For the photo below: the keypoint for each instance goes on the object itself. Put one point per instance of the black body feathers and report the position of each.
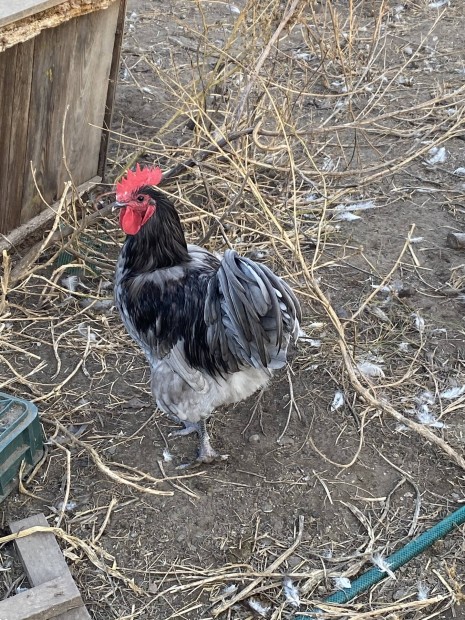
(227, 314)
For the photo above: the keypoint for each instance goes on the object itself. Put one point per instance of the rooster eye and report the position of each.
(140, 198)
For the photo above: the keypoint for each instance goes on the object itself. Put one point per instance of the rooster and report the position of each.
(213, 329)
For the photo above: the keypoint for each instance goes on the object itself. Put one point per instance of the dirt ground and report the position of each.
(361, 482)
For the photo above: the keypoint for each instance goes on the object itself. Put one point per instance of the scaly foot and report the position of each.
(207, 454)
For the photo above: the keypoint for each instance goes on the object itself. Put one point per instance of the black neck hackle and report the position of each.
(160, 243)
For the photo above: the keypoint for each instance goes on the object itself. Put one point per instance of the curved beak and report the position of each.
(117, 205)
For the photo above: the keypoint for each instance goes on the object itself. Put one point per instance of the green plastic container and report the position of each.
(20, 439)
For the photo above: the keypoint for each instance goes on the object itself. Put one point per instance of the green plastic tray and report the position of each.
(20, 439)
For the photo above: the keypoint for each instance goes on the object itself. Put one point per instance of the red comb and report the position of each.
(135, 180)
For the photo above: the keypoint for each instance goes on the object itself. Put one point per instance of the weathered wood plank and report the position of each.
(49, 600)
(39, 553)
(62, 72)
(7, 103)
(70, 78)
(43, 560)
(10, 212)
(11, 12)
(112, 83)
(52, 57)
(87, 91)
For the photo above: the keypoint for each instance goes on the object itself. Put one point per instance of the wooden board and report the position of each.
(52, 57)
(43, 560)
(51, 599)
(13, 165)
(69, 79)
(19, 9)
(112, 83)
(7, 79)
(87, 96)
(62, 73)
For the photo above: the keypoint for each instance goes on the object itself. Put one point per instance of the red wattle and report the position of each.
(132, 220)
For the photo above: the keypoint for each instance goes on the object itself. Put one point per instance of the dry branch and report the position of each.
(104, 468)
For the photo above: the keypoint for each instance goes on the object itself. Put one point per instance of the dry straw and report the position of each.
(299, 110)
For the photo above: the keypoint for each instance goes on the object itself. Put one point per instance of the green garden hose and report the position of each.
(394, 561)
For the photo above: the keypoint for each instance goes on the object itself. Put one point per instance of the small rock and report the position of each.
(294, 561)
(286, 441)
(341, 312)
(267, 507)
(254, 438)
(456, 241)
(398, 594)
(406, 291)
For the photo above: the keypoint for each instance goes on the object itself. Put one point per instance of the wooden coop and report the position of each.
(59, 63)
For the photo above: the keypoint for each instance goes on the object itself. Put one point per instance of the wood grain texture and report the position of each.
(53, 49)
(43, 560)
(69, 91)
(7, 83)
(54, 90)
(90, 68)
(10, 216)
(49, 600)
(39, 553)
(30, 27)
(112, 83)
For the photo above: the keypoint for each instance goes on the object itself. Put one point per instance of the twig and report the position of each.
(357, 452)
(4, 281)
(246, 591)
(387, 277)
(21, 488)
(287, 16)
(219, 221)
(101, 465)
(179, 486)
(33, 254)
(369, 397)
(409, 479)
(205, 153)
(64, 503)
(292, 406)
(357, 615)
(80, 544)
(111, 505)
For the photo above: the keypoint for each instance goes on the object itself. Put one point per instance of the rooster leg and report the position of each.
(189, 427)
(207, 454)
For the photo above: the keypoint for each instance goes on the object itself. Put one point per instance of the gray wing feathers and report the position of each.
(178, 364)
(250, 314)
